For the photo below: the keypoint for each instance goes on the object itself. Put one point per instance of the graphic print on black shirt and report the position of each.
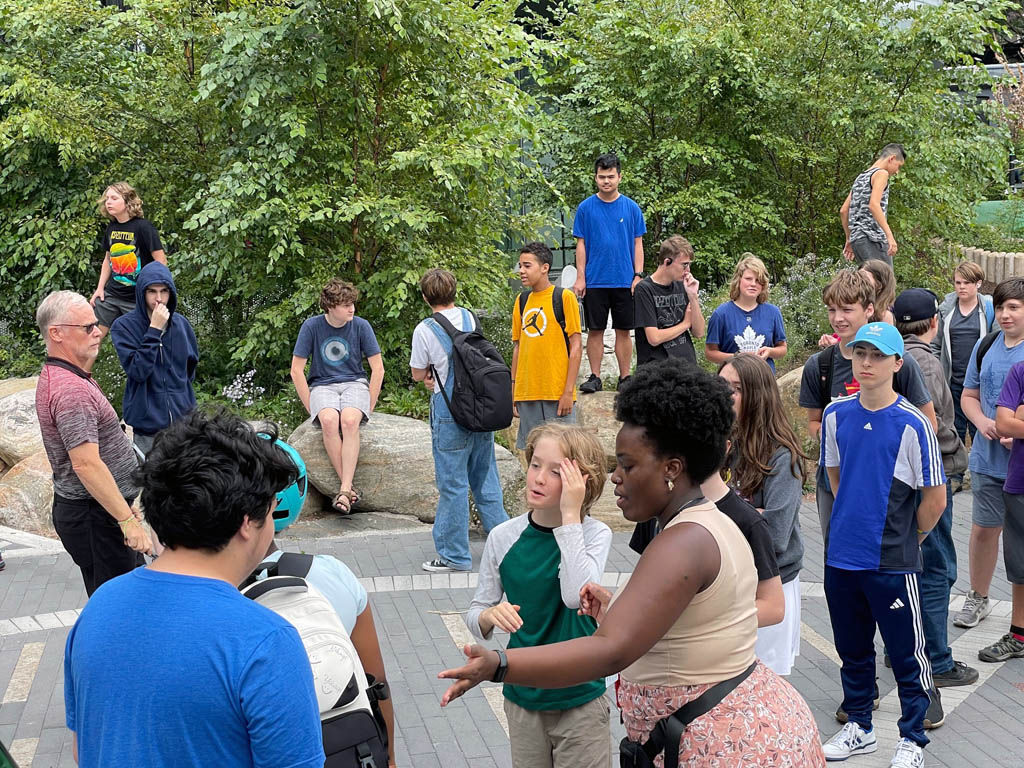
(131, 247)
(661, 306)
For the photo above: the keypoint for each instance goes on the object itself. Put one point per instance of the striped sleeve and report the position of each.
(926, 459)
(829, 444)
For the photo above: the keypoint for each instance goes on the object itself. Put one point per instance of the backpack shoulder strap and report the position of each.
(558, 306)
(984, 347)
(443, 321)
(294, 564)
(523, 297)
(826, 366)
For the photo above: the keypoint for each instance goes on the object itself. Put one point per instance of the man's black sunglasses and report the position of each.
(89, 327)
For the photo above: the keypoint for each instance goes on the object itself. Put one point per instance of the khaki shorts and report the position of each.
(570, 738)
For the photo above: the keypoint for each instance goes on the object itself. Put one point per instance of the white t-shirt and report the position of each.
(427, 349)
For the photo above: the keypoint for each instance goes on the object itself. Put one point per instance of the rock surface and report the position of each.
(789, 389)
(596, 413)
(26, 495)
(19, 427)
(396, 468)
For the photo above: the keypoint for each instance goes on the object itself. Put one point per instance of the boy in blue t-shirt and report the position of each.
(879, 452)
(990, 450)
(337, 394)
(609, 229)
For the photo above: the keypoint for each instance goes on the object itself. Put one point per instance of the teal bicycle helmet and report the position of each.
(290, 499)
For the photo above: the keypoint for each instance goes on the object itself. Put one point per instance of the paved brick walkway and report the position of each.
(421, 620)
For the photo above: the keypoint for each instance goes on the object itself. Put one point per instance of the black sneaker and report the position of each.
(591, 385)
(623, 380)
(960, 674)
(841, 715)
(2, 563)
(934, 717)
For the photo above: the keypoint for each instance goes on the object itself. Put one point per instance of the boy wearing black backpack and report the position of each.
(463, 458)
(546, 345)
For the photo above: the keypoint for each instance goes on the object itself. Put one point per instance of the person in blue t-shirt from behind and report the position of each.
(171, 665)
(880, 453)
(337, 394)
(747, 322)
(609, 229)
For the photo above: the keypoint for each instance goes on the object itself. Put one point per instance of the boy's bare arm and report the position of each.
(376, 378)
(1009, 423)
(933, 504)
(575, 356)
(298, 374)
(814, 421)
(833, 479)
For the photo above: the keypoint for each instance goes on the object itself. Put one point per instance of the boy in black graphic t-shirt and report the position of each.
(666, 307)
(130, 243)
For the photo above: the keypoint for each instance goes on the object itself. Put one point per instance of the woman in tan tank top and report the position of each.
(686, 619)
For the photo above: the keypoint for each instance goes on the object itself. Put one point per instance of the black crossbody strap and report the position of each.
(669, 730)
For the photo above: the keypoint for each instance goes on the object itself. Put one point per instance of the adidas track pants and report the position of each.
(858, 601)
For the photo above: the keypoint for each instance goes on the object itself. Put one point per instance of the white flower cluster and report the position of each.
(241, 390)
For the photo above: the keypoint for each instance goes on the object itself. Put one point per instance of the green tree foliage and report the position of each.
(742, 124)
(275, 144)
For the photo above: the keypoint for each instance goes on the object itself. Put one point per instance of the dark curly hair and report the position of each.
(205, 474)
(684, 411)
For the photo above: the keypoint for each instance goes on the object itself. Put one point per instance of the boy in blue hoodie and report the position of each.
(158, 351)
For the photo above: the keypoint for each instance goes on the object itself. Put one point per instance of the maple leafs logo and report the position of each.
(750, 341)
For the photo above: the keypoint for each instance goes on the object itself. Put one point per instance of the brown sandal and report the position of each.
(343, 502)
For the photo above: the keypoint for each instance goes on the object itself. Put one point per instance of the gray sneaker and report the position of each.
(975, 609)
(1007, 647)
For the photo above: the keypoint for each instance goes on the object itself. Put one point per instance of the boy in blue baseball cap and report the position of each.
(879, 451)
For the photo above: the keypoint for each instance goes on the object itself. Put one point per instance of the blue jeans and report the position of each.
(939, 557)
(462, 460)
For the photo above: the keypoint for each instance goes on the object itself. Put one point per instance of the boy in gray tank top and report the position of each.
(864, 213)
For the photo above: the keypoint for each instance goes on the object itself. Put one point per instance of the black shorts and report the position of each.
(94, 540)
(598, 302)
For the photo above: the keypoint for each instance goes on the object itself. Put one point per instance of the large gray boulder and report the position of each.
(596, 412)
(19, 427)
(396, 467)
(26, 496)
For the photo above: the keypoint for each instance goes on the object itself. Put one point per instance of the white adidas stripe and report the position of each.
(920, 651)
(935, 455)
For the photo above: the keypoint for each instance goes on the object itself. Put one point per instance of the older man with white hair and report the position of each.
(91, 457)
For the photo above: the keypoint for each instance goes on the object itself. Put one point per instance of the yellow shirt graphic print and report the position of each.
(543, 359)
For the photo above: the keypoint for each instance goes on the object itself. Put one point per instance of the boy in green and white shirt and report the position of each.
(540, 561)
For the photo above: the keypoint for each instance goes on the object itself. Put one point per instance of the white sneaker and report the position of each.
(851, 740)
(907, 755)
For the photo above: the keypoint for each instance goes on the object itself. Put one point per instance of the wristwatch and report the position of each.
(502, 670)
(639, 274)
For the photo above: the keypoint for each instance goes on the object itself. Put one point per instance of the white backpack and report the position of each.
(354, 734)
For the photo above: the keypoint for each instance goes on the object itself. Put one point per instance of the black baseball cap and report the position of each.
(915, 304)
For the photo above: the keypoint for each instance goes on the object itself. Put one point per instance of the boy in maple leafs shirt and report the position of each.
(747, 322)
(829, 374)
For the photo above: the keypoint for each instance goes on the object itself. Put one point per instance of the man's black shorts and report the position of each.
(598, 302)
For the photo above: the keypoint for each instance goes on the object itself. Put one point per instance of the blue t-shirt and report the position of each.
(988, 456)
(735, 330)
(884, 457)
(609, 231)
(168, 670)
(337, 353)
(336, 582)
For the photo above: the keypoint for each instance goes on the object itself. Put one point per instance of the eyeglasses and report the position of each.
(89, 327)
(685, 265)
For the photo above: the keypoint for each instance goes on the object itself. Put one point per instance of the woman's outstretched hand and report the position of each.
(594, 601)
(481, 665)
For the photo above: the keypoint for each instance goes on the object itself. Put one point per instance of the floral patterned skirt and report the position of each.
(764, 722)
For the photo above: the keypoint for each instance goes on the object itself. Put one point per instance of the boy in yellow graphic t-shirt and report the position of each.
(546, 348)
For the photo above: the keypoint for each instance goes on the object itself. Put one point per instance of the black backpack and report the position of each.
(984, 347)
(481, 399)
(556, 305)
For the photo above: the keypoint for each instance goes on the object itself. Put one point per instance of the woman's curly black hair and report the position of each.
(685, 412)
(205, 474)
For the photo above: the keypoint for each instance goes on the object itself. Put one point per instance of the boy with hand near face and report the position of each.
(879, 452)
(546, 346)
(667, 308)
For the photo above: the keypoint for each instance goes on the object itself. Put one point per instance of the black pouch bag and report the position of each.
(669, 730)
